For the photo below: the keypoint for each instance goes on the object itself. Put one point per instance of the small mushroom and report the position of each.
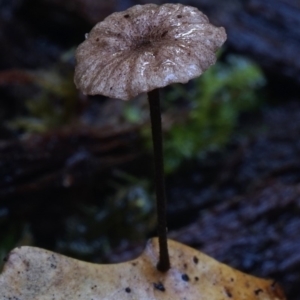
(141, 50)
(144, 48)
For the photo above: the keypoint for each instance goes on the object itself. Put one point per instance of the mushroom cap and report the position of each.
(144, 48)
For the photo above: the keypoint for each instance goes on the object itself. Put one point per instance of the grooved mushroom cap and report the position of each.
(144, 48)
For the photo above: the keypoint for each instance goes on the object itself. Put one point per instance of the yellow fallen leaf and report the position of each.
(36, 274)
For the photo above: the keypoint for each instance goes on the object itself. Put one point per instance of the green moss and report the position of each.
(127, 213)
(216, 101)
(53, 103)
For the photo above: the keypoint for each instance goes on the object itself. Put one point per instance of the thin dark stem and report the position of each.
(155, 115)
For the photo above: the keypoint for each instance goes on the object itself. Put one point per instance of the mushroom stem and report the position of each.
(163, 264)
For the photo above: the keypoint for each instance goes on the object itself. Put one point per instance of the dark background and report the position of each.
(75, 175)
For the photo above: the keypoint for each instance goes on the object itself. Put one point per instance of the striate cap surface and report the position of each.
(144, 48)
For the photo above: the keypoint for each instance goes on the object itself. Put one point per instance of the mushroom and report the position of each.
(140, 50)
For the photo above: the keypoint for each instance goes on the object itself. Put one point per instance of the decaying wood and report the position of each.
(266, 30)
(62, 158)
(257, 233)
